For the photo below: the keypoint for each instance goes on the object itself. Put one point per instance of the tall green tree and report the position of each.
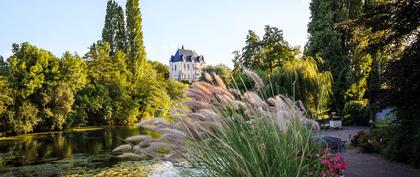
(43, 89)
(114, 28)
(331, 43)
(136, 52)
(268, 53)
(3, 66)
(393, 31)
(107, 99)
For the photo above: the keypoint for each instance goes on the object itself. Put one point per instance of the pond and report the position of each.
(75, 152)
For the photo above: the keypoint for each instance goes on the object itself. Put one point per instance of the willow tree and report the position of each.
(301, 80)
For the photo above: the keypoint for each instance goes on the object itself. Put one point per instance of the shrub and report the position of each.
(24, 119)
(369, 142)
(356, 113)
(401, 140)
(226, 132)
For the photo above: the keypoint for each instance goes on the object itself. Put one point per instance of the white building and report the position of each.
(186, 65)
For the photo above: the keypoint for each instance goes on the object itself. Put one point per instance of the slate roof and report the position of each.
(187, 56)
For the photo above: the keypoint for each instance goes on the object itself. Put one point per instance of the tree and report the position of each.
(161, 69)
(330, 43)
(43, 86)
(393, 31)
(136, 52)
(107, 99)
(298, 79)
(3, 66)
(114, 28)
(268, 53)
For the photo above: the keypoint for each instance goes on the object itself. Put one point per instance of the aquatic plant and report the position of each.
(226, 132)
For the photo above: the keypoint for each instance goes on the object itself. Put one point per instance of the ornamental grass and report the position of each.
(228, 133)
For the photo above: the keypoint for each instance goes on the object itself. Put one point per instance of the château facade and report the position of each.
(186, 65)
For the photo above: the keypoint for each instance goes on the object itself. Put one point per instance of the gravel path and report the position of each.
(369, 165)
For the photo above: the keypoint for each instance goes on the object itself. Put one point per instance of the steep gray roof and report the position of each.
(186, 55)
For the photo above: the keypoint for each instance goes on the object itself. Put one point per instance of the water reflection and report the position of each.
(61, 152)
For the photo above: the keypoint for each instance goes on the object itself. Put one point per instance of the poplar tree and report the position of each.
(136, 52)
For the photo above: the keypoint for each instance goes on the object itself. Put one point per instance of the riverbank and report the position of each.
(76, 129)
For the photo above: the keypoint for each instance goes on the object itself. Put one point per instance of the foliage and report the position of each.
(401, 139)
(393, 31)
(3, 66)
(176, 91)
(5, 96)
(221, 70)
(161, 69)
(24, 119)
(114, 32)
(113, 84)
(224, 129)
(268, 53)
(369, 142)
(136, 52)
(44, 86)
(332, 44)
(298, 79)
(356, 113)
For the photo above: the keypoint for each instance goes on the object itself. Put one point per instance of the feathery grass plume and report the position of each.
(227, 133)
(254, 99)
(137, 138)
(254, 76)
(203, 87)
(208, 77)
(131, 155)
(195, 105)
(197, 95)
(219, 81)
(123, 148)
(235, 92)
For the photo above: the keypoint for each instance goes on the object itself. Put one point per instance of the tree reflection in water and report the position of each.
(57, 153)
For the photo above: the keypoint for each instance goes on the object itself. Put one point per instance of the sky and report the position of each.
(213, 28)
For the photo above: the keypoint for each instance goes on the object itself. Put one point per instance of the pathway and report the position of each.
(369, 165)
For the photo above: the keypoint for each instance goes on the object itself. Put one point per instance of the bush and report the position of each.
(23, 120)
(401, 140)
(356, 113)
(368, 142)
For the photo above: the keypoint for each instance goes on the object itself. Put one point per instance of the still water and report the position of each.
(76, 152)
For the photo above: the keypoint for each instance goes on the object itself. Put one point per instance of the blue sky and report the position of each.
(214, 28)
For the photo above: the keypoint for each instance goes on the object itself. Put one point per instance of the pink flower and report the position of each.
(334, 164)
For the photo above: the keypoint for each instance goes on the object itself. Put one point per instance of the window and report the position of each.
(175, 67)
(185, 66)
(188, 66)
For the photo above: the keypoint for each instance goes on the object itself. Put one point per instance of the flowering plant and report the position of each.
(335, 165)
